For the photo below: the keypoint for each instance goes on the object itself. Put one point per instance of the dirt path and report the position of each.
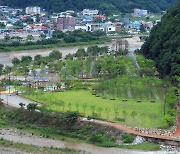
(129, 130)
(27, 138)
(177, 133)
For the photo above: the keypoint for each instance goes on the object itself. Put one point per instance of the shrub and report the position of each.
(127, 138)
(120, 119)
(98, 138)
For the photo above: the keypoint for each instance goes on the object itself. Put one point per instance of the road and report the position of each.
(14, 100)
(133, 45)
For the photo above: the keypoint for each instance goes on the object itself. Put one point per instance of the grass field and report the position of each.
(147, 114)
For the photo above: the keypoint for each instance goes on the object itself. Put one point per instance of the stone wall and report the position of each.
(166, 132)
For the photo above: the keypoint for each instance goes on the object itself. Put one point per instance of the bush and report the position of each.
(98, 138)
(127, 138)
(169, 119)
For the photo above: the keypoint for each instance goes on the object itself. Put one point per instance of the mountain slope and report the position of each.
(103, 5)
(163, 44)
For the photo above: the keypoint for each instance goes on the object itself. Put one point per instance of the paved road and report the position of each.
(14, 100)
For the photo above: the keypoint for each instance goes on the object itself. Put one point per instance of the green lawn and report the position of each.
(148, 114)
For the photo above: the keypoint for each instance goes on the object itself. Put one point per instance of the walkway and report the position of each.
(130, 130)
(14, 100)
(177, 133)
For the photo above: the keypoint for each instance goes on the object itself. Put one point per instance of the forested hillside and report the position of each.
(163, 44)
(105, 6)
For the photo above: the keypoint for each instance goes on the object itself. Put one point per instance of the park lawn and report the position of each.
(148, 114)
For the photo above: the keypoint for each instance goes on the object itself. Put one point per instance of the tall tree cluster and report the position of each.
(105, 6)
(163, 44)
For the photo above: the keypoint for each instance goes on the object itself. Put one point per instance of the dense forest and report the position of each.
(163, 44)
(105, 6)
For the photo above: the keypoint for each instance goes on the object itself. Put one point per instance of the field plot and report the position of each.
(130, 112)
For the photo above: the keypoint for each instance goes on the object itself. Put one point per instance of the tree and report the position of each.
(107, 110)
(1, 68)
(162, 45)
(142, 117)
(31, 107)
(37, 57)
(84, 106)
(80, 53)
(2, 25)
(55, 55)
(58, 84)
(30, 37)
(67, 84)
(124, 114)
(63, 105)
(69, 39)
(93, 110)
(142, 29)
(7, 37)
(115, 113)
(107, 7)
(69, 56)
(15, 61)
(26, 59)
(77, 107)
(58, 34)
(97, 20)
(69, 105)
(133, 115)
(43, 36)
(99, 109)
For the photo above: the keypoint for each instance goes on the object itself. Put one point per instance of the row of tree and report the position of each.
(105, 6)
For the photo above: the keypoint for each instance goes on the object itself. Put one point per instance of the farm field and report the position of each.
(143, 114)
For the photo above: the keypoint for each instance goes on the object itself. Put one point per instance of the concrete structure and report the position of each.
(87, 19)
(90, 12)
(33, 10)
(148, 25)
(84, 28)
(140, 13)
(65, 22)
(106, 27)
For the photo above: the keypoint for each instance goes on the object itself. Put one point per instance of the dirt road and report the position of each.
(26, 138)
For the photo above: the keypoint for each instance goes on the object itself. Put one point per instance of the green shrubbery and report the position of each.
(127, 138)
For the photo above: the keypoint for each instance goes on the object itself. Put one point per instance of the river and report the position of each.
(6, 57)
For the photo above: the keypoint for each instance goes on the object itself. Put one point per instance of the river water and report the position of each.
(6, 57)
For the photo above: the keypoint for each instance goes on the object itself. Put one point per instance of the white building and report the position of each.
(105, 27)
(89, 12)
(140, 13)
(84, 28)
(33, 10)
